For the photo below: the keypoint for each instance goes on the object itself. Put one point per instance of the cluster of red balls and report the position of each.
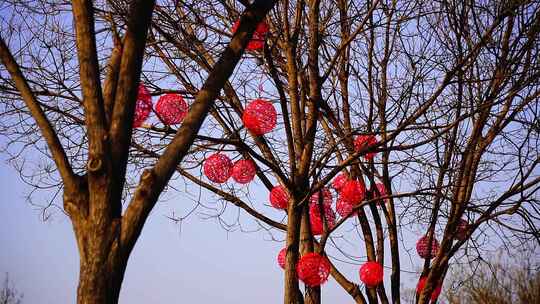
(170, 108)
(218, 168)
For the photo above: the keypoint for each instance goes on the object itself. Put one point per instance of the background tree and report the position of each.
(449, 89)
(8, 293)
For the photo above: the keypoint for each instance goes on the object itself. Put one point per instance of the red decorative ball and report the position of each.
(244, 171)
(313, 269)
(462, 229)
(217, 168)
(171, 109)
(143, 106)
(382, 191)
(344, 208)
(365, 140)
(316, 221)
(434, 294)
(340, 181)
(353, 191)
(423, 249)
(326, 197)
(371, 274)
(279, 197)
(281, 257)
(260, 116)
(257, 40)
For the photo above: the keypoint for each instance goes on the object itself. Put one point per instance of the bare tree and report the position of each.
(8, 294)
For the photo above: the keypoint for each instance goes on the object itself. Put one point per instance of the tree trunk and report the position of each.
(99, 284)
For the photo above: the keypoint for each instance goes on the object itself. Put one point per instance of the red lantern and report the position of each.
(462, 229)
(244, 171)
(371, 274)
(434, 294)
(353, 191)
(259, 116)
(257, 40)
(365, 140)
(279, 197)
(340, 181)
(281, 257)
(171, 109)
(382, 191)
(423, 249)
(217, 168)
(313, 269)
(326, 197)
(316, 221)
(344, 208)
(143, 106)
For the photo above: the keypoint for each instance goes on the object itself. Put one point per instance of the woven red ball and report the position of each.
(218, 168)
(344, 208)
(143, 106)
(279, 197)
(382, 191)
(171, 109)
(371, 274)
(326, 197)
(353, 191)
(316, 221)
(434, 294)
(257, 40)
(339, 181)
(259, 116)
(313, 269)
(423, 249)
(281, 257)
(365, 140)
(462, 229)
(244, 171)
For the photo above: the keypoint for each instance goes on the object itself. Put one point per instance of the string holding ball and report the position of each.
(423, 250)
(313, 269)
(218, 168)
(326, 197)
(371, 274)
(316, 220)
(243, 171)
(143, 106)
(339, 181)
(434, 294)
(281, 257)
(462, 229)
(259, 117)
(171, 109)
(353, 191)
(362, 141)
(259, 35)
(279, 197)
(344, 208)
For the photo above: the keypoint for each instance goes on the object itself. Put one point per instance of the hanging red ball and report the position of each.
(371, 274)
(143, 106)
(422, 247)
(281, 258)
(217, 168)
(365, 140)
(171, 109)
(434, 294)
(313, 269)
(344, 208)
(353, 191)
(326, 197)
(339, 181)
(244, 171)
(259, 116)
(462, 229)
(279, 197)
(257, 40)
(316, 220)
